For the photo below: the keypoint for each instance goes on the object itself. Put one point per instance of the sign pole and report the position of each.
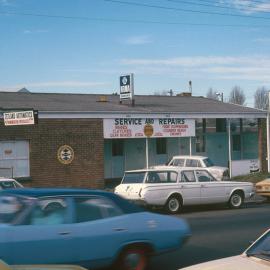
(267, 135)
(190, 146)
(146, 153)
(230, 146)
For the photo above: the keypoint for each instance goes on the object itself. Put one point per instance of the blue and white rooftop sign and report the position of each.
(135, 127)
(126, 86)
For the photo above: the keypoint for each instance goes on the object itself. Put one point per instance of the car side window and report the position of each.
(161, 177)
(188, 176)
(94, 208)
(50, 211)
(204, 176)
(178, 162)
(192, 163)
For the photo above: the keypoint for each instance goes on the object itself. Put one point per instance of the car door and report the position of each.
(212, 191)
(190, 188)
(44, 235)
(100, 230)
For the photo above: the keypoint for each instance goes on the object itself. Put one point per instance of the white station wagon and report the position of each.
(175, 187)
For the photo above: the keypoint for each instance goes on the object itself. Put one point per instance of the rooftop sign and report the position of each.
(126, 87)
(140, 127)
(19, 118)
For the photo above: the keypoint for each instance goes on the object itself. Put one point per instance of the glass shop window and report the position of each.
(200, 144)
(221, 125)
(200, 126)
(211, 125)
(236, 141)
(161, 146)
(235, 125)
(117, 148)
(250, 125)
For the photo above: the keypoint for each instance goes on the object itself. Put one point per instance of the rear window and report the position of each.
(133, 178)
(178, 162)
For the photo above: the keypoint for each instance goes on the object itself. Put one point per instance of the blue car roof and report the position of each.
(43, 192)
(126, 206)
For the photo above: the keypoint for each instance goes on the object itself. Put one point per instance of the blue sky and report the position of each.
(87, 54)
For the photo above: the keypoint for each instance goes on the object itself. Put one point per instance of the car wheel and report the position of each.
(173, 205)
(236, 200)
(133, 258)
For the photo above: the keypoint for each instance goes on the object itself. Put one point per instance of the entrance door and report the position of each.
(118, 158)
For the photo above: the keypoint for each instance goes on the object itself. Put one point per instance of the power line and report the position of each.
(129, 21)
(185, 10)
(216, 6)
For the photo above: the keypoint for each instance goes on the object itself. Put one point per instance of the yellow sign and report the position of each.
(65, 154)
(148, 130)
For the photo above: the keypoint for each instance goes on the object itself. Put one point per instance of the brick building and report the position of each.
(74, 124)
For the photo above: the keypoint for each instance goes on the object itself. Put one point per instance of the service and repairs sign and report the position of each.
(140, 127)
(19, 118)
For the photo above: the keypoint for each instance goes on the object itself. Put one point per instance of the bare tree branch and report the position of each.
(261, 98)
(237, 96)
(211, 94)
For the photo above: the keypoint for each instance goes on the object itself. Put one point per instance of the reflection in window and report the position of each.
(236, 142)
(161, 177)
(161, 146)
(188, 176)
(204, 176)
(117, 147)
(178, 162)
(250, 125)
(200, 144)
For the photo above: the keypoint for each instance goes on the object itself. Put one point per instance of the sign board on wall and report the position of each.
(246, 166)
(19, 118)
(126, 86)
(135, 127)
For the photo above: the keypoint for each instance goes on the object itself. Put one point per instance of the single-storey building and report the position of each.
(82, 140)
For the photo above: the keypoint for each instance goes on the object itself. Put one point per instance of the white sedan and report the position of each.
(174, 187)
(256, 257)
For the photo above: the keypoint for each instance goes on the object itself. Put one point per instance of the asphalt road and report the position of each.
(217, 232)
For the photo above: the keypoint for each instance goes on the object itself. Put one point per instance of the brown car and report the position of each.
(263, 188)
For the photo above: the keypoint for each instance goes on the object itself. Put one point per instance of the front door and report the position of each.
(45, 236)
(212, 191)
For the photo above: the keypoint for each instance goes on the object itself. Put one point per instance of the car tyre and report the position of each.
(133, 258)
(236, 200)
(173, 205)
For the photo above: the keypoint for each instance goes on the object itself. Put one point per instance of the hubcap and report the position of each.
(133, 261)
(236, 200)
(173, 205)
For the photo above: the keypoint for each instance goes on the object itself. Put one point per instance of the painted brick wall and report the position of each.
(85, 136)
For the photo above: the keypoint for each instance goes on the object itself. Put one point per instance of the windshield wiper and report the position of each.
(262, 252)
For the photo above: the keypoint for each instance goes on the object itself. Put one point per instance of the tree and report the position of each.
(261, 98)
(211, 94)
(237, 96)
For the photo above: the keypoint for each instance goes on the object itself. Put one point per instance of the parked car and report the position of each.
(9, 183)
(174, 187)
(257, 256)
(263, 188)
(88, 228)
(4, 266)
(220, 173)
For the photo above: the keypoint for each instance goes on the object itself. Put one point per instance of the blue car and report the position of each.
(83, 227)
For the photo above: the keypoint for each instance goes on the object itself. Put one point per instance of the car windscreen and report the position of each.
(133, 178)
(6, 184)
(208, 162)
(261, 248)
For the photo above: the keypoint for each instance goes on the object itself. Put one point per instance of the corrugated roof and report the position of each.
(48, 102)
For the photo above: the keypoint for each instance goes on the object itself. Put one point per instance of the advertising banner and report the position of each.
(19, 118)
(246, 166)
(148, 127)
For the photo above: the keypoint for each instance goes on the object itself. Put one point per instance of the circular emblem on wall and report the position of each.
(124, 80)
(65, 154)
(148, 130)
